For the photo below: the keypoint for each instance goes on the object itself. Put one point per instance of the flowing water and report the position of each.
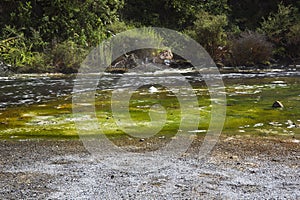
(41, 105)
(29, 89)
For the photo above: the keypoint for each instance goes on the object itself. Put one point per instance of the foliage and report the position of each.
(250, 49)
(35, 28)
(81, 21)
(38, 34)
(67, 57)
(148, 13)
(16, 50)
(174, 14)
(247, 14)
(281, 27)
(143, 37)
(209, 31)
(118, 27)
(293, 42)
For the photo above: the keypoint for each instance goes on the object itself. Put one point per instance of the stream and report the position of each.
(36, 88)
(34, 106)
(256, 156)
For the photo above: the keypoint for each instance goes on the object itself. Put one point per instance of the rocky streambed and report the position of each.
(239, 167)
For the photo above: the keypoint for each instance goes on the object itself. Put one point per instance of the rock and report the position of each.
(153, 89)
(277, 104)
(131, 61)
(123, 63)
(4, 69)
(291, 124)
(181, 64)
(233, 157)
(164, 57)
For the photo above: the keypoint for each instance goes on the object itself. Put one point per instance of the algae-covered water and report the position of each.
(40, 106)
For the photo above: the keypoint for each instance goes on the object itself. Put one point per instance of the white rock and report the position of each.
(153, 89)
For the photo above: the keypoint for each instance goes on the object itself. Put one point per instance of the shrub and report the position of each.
(14, 48)
(67, 57)
(39, 64)
(19, 52)
(249, 49)
(118, 27)
(281, 29)
(209, 31)
(293, 43)
(145, 36)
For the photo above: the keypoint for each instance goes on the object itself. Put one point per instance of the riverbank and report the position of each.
(238, 167)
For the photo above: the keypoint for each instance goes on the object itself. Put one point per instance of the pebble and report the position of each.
(277, 104)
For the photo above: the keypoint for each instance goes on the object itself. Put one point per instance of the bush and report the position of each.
(250, 49)
(118, 27)
(83, 22)
(293, 43)
(19, 52)
(281, 29)
(209, 31)
(14, 49)
(67, 57)
(145, 36)
(39, 64)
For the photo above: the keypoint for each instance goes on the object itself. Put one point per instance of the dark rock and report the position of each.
(123, 63)
(180, 64)
(4, 69)
(277, 104)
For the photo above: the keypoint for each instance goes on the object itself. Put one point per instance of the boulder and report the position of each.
(164, 57)
(277, 104)
(123, 63)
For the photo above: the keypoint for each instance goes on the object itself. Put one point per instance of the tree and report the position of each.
(282, 29)
(293, 43)
(59, 20)
(209, 31)
(49, 32)
(174, 14)
(247, 14)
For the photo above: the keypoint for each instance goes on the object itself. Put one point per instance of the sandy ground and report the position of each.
(239, 167)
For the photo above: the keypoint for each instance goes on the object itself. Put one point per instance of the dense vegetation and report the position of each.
(54, 36)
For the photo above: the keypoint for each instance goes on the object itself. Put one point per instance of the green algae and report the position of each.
(249, 111)
(46, 120)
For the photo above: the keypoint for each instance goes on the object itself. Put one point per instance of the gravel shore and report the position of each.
(239, 167)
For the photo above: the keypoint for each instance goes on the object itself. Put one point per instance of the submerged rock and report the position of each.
(277, 104)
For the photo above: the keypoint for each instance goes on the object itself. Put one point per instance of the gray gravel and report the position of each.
(236, 169)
